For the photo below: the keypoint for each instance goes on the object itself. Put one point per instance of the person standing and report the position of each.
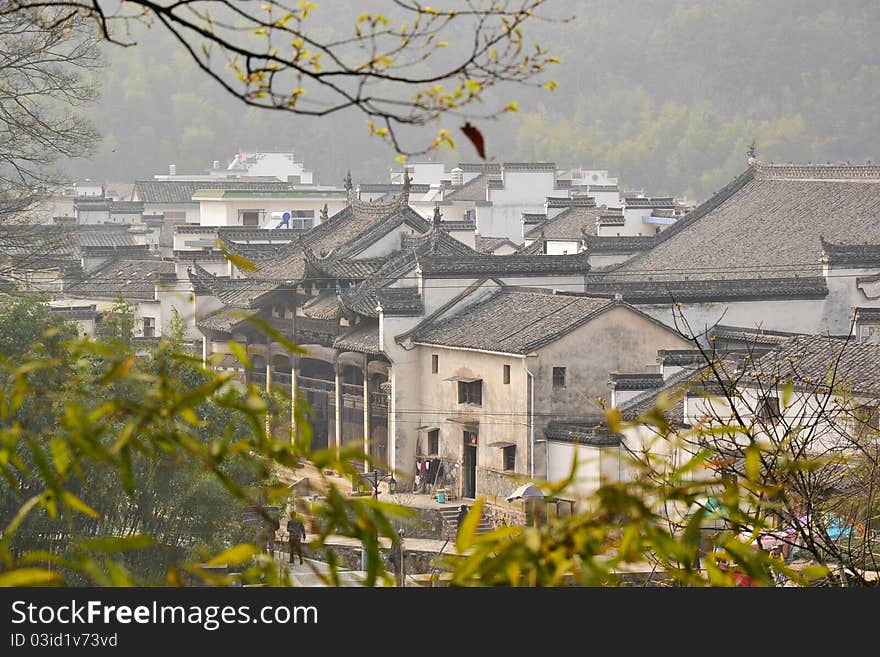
(462, 513)
(296, 534)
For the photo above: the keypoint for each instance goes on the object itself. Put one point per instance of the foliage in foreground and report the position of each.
(121, 467)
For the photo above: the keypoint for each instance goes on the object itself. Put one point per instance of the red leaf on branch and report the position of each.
(476, 138)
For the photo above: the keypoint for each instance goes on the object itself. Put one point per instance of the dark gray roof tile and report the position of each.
(767, 224)
(512, 320)
(513, 264)
(133, 279)
(181, 191)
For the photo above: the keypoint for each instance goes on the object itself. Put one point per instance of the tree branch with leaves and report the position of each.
(404, 67)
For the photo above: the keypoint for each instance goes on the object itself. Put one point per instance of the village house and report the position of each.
(788, 247)
(498, 367)
(819, 394)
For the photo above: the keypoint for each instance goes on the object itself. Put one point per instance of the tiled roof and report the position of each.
(364, 298)
(223, 320)
(808, 360)
(694, 291)
(435, 241)
(30, 245)
(868, 314)
(490, 244)
(664, 202)
(611, 220)
(459, 225)
(393, 188)
(241, 234)
(473, 190)
(480, 167)
(595, 434)
(243, 292)
(853, 255)
(288, 263)
(535, 248)
(768, 223)
(363, 339)
(107, 236)
(181, 191)
(359, 224)
(512, 320)
(512, 264)
(350, 268)
(750, 335)
(570, 224)
(232, 292)
(400, 300)
(133, 279)
(577, 202)
(127, 207)
(529, 166)
(638, 381)
(324, 306)
(619, 244)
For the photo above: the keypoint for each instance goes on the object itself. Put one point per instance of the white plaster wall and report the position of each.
(225, 212)
(608, 199)
(801, 316)
(588, 473)
(525, 188)
(387, 244)
(562, 247)
(505, 220)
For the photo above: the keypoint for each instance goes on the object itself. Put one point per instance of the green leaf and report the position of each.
(19, 518)
(119, 544)
(786, 395)
(72, 501)
(468, 529)
(753, 462)
(60, 455)
(235, 555)
(612, 417)
(242, 263)
(239, 352)
(30, 577)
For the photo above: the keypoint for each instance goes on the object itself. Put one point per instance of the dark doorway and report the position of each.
(469, 469)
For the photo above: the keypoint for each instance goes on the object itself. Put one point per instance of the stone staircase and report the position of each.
(450, 524)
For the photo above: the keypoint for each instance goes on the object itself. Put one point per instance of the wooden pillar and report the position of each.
(268, 365)
(294, 363)
(337, 368)
(366, 411)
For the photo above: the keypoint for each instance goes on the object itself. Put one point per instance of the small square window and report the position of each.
(434, 441)
(510, 457)
(470, 392)
(558, 377)
(507, 374)
(768, 410)
(435, 363)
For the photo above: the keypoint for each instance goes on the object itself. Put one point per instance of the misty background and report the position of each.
(667, 95)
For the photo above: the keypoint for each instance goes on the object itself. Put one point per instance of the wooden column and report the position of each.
(366, 411)
(337, 368)
(294, 363)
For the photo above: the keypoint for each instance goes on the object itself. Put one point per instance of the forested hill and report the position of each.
(666, 94)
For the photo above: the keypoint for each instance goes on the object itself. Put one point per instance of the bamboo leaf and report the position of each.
(235, 555)
(30, 577)
(468, 529)
(119, 543)
(72, 501)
